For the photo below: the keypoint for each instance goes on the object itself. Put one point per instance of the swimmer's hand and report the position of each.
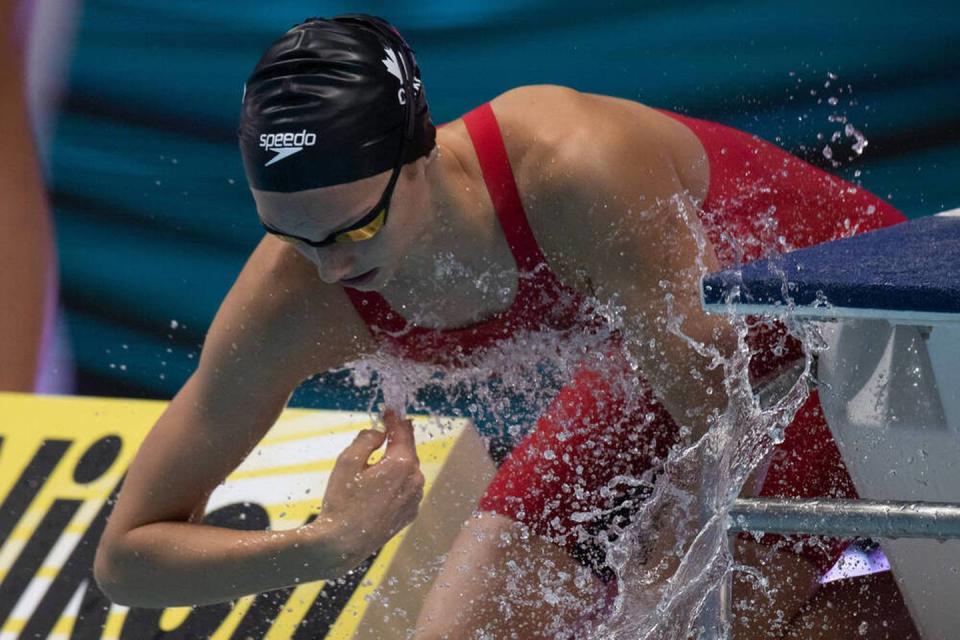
(367, 504)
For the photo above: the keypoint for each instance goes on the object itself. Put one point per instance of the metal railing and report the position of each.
(827, 517)
(847, 518)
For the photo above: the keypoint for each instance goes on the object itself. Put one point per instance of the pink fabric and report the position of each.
(22, 21)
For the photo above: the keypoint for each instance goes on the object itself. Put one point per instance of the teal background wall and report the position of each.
(154, 220)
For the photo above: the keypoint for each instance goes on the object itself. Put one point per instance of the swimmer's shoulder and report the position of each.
(536, 123)
(281, 315)
(544, 123)
(557, 137)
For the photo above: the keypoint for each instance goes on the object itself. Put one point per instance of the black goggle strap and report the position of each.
(283, 235)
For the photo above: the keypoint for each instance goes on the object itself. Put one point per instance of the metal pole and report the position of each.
(847, 518)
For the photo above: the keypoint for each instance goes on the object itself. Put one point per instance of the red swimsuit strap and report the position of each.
(498, 175)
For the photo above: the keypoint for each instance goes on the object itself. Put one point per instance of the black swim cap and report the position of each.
(329, 103)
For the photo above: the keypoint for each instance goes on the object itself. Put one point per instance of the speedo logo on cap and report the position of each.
(286, 144)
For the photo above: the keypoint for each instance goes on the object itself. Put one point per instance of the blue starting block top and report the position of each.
(907, 274)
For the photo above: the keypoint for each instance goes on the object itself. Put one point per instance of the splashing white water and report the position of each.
(673, 589)
(672, 559)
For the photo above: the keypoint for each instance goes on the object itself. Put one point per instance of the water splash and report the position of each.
(666, 591)
(671, 558)
(849, 137)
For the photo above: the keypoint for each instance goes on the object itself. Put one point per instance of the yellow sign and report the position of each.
(61, 461)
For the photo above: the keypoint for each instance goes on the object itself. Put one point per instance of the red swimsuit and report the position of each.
(760, 200)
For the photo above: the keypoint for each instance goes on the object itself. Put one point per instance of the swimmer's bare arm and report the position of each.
(646, 238)
(278, 325)
(604, 180)
(640, 247)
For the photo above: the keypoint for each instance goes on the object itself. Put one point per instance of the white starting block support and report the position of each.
(889, 381)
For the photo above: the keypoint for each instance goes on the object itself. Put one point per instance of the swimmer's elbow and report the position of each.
(114, 570)
(106, 573)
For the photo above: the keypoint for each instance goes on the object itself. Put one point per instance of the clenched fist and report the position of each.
(367, 504)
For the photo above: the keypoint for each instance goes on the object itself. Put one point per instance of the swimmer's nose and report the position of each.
(333, 265)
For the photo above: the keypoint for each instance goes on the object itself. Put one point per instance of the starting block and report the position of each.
(889, 383)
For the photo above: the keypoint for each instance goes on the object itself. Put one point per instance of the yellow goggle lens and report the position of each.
(365, 232)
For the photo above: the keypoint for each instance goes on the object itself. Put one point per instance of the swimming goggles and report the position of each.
(363, 229)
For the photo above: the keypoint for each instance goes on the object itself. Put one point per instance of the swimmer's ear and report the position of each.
(422, 162)
(412, 170)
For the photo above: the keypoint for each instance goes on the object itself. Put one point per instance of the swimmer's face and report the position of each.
(316, 214)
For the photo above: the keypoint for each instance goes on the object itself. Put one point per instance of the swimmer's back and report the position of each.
(762, 199)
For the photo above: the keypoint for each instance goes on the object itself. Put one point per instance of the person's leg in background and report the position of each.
(35, 43)
(393, 612)
(26, 245)
(507, 582)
